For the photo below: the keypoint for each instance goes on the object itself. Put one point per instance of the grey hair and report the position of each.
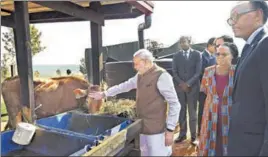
(144, 54)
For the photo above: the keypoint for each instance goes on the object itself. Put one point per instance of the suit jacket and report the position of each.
(207, 61)
(248, 133)
(187, 70)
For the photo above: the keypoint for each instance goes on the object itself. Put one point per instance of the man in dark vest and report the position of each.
(155, 89)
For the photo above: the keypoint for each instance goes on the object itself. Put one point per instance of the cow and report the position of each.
(52, 96)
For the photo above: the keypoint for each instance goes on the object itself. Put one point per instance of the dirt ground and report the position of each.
(185, 148)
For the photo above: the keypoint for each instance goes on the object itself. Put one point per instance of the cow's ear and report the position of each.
(80, 93)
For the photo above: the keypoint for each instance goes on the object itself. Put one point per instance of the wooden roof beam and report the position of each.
(5, 10)
(143, 6)
(119, 8)
(73, 10)
(7, 22)
(55, 16)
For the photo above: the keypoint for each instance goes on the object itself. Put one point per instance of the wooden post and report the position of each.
(12, 70)
(96, 47)
(24, 55)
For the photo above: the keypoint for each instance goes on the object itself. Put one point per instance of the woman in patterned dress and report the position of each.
(217, 83)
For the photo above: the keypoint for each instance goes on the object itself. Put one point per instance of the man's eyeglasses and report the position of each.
(236, 15)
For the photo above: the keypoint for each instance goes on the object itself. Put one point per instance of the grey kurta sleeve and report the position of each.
(166, 88)
(122, 88)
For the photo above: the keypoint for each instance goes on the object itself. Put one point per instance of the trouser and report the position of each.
(202, 98)
(188, 100)
(154, 145)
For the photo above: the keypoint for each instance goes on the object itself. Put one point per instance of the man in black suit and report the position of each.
(248, 132)
(186, 72)
(208, 59)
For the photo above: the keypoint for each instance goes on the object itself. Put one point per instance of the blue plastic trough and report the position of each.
(69, 133)
(45, 143)
(90, 126)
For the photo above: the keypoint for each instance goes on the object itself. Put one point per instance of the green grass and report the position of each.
(3, 111)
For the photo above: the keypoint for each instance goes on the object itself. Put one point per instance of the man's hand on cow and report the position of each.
(169, 138)
(96, 95)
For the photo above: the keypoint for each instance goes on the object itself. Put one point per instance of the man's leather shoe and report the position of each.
(194, 141)
(180, 139)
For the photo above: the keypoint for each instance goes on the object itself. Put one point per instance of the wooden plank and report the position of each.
(6, 2)
(73, 10)
(133, 130)
(142, 6)
(150, 3)
(8, 7)
(33, 8)
(108, 146)
(7, 22)
(4, 13)
(126, 150)
(24, 55)
(114, 9)
(111, 2)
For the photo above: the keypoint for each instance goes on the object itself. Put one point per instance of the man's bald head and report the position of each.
(257, 5)
(247, 16)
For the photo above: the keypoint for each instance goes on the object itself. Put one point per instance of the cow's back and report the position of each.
(56, 96)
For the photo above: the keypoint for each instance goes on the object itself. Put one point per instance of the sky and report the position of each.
(170, 20)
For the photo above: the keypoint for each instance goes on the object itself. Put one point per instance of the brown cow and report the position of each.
(56, 95)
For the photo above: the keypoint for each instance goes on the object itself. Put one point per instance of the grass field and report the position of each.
(3, 110)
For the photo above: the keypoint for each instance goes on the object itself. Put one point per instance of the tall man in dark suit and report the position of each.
(248, 133)
(186, 72)
(208, 59)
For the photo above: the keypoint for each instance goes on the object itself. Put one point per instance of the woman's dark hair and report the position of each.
(211, 41)
(226, 38)
(234, 51)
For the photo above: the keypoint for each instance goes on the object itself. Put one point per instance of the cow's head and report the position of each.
(86, 102)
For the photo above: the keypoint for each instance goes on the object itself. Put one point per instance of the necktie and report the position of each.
(185, 54)
(245, 51)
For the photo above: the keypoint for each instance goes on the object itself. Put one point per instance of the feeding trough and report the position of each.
(76, 134)
(92, 126)
(45, 142)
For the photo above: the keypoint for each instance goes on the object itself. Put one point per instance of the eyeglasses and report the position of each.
(217, 54)
(235, 17)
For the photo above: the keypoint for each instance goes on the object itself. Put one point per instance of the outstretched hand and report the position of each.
(96, 95)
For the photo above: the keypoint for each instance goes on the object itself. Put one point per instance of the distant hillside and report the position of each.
(50, 70)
